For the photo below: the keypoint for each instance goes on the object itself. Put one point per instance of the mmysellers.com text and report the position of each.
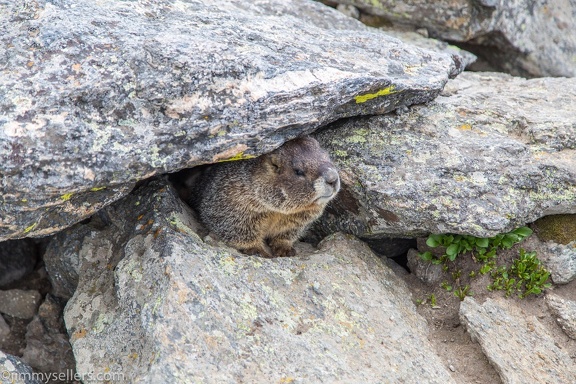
(68, 376)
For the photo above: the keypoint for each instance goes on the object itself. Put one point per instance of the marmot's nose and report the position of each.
(331, 176)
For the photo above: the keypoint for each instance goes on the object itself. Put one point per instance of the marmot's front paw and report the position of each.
(257, 251)
(283, 250)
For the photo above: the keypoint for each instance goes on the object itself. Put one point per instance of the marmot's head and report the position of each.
(298, 175)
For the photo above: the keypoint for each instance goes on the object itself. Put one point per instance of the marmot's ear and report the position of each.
(274, 162)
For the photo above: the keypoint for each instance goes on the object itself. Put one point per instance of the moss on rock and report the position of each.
(560, 229)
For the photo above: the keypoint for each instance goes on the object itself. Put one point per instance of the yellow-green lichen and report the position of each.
(127, 123)
(96, 189)
(157, 305)
(179, 223)
(239, 156)
(102, 321)
(66, 196)
(369, 96)
(359, 137)
(340, 153)
(30, 228)
(229, 265)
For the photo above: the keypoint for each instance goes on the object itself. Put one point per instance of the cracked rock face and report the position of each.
(95, 96)
(156, 304)
(519, 347)
(490, 154)
(565, 313)
(524, 38)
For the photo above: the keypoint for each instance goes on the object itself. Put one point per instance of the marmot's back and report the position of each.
(263, 205)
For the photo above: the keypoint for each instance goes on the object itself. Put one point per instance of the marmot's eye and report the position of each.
(298, 172)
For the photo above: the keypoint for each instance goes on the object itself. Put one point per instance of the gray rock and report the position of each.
(47, 347)
(424, 270)
(458, 55)
(490, 154)
(14, 371)
(161, 306)
(17, 259)
(519, 347)
(560, 260)
(525, 38)
(19, 303)
(62, 258)
(349, 10)
(4, 327)
(98, 95)
(565, 312)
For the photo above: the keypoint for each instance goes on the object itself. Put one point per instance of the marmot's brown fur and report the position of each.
(263, 205)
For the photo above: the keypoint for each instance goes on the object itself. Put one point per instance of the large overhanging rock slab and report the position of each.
(523, 37)
(491, 154)
(519, 347)
(155, 304)
(96, 95)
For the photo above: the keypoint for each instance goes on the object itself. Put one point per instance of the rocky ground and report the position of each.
(106, 276)
(360, 310)
(461, 353)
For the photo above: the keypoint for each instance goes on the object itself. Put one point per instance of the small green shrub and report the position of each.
(462, 292)
(526, 276)
(483, 249)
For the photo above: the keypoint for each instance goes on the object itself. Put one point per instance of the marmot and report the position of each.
(263, 205)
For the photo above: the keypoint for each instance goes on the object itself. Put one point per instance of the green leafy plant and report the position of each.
(483, 249)
(526, 276)
(462, 292)
(487, 267)
(433, 301)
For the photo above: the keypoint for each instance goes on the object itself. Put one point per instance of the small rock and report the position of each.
(424, 270)
(19, 303)
(560, 260)
(14, 371)
(349, 10)
(423, 32)
(62, 257)
(4, 327)
(47, 347)
(565, 313)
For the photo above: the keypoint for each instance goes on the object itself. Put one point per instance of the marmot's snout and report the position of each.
(327, 185)
(331, 177)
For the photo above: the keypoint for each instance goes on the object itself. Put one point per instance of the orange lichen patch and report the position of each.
(79, 334)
